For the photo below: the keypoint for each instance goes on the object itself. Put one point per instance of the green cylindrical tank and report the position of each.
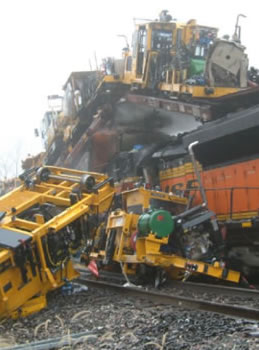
(159, 222)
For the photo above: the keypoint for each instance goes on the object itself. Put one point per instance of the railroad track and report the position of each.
(159, 297)
(61, 342)
(116, 277)
(217, 289)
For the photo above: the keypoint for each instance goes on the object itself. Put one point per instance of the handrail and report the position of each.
(231, 189)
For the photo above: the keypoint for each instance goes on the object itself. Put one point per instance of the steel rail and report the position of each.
(218, 289)
(52, 343)
(201, 287)
(179, 301)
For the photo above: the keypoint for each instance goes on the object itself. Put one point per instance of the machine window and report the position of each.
(129, 64)
(161, 40)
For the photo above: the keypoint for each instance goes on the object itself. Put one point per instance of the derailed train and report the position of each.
(227, 152)
(156, 209)
(135, 120)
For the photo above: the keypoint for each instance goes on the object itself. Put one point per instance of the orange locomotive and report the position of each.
(232, 189)
(228, 160)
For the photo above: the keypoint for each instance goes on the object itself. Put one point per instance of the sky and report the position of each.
(43, 41)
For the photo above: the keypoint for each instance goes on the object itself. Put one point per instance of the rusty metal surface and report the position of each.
(202, 112)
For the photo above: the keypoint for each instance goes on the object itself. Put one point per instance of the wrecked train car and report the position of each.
(134, 119)
(229, 165)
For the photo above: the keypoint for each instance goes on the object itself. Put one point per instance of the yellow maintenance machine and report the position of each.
(42, 223)
(154, 231)
(182, 59)
(179, 71)
(58, 212)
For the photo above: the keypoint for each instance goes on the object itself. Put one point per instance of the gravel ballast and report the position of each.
(119, 323)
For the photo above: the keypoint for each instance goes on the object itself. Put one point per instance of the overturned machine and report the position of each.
(43, 223)
(59, 212)
(175, 77)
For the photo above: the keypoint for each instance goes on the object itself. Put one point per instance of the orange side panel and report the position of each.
(237, 183)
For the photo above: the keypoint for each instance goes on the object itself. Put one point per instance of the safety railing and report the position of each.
(233, 190)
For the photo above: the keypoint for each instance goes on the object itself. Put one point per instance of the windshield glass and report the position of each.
(161, 39)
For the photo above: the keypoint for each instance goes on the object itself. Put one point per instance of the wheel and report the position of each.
(87, 182)
(42, 174)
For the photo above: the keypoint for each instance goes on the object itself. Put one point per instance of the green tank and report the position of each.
(197, 67)
(160, 222)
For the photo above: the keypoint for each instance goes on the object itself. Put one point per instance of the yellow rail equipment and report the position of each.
(42, 223)
(58, 212)
(179, 241)
(182, 59)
